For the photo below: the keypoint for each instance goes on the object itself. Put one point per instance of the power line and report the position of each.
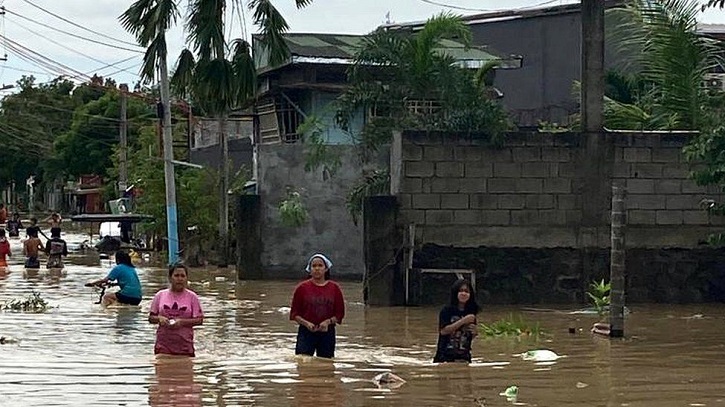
(71, 49)
(80, 26)
(69, 33)
(39, 59)
(435, 3)
(12, 68)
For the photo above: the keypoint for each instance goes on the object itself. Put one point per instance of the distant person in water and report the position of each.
(4, 249)
(56, 248)
(317, 306)
(14, 225)
(3, 213)
(54, 220)
(457, 325)
(177, 311)
(125, 274)
(31, 248)
(34, 226)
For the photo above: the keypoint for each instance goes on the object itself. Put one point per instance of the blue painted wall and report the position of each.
(321, 105)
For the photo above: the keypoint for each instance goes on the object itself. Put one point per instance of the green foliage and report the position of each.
(411, 83)
(376, 182)
(59, 130)
(599, 294)
(197, 194)
(546, 127)
(292, 210)
(317, 152)
(239, 180)
(659, 42)
(32, 303)
(88, 146)
(512, 326)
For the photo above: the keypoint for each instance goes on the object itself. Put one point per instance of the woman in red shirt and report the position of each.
(317, 306)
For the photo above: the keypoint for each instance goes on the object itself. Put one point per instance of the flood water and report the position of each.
(80, 354)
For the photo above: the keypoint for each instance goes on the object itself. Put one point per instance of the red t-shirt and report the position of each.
(4, 251)
(316, 303)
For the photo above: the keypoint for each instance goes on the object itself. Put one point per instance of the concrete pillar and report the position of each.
(617, 268)
(383, 283)
(249, 237)
(592, 69)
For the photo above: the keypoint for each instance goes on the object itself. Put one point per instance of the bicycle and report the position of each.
(103, 287)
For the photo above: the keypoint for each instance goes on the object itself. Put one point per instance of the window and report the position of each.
(278, 121)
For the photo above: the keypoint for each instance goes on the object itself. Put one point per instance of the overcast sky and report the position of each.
(25, 34)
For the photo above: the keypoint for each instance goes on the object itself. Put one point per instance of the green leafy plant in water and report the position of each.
(512, 326)
(599, 294)
(292, 211)
(33, 303)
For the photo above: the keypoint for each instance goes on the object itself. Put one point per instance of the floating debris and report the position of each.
(540, 355)
(4, 340)
(33, 303)
(511, 393)
(388, 380)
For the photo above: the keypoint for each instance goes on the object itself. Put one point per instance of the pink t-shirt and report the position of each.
(172, 305)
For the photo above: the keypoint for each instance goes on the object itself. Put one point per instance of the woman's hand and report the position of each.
(469, 319)
(163, 321)
(310, 326)
(324, 325)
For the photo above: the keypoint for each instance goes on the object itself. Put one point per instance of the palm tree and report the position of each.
(216, 84)
(411, 80)
(396, 72)
(659, 40)
(148, 21)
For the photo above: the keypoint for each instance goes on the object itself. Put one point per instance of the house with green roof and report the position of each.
(305, 86)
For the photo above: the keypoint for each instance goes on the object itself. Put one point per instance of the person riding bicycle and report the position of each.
(125, 274)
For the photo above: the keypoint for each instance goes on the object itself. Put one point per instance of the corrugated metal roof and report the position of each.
(341, 48)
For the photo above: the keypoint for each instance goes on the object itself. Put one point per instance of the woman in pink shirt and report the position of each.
(177, 311)
(317, 306)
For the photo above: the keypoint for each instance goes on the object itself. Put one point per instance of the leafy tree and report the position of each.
(87, 147)
(659, 41)
(393, 69)
(30, 121)
(197, 198)
(412, 83)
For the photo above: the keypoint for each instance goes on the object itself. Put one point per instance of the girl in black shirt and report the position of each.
(457, 325)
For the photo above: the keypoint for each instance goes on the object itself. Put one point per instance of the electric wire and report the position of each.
(435, 3)
(42, 60)
(80, 26)
(72, 34)
(72, 49)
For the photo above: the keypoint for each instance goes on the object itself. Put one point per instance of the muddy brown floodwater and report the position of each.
(79, 354)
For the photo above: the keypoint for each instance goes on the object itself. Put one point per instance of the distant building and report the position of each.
(549, 41)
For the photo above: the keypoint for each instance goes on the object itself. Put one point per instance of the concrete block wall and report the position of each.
(531, 191)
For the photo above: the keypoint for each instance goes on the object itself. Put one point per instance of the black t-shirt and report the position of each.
(14, 227)
(456, 346)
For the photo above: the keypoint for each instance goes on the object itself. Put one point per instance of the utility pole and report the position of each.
(123, 137)
(171, 212)
(592, 66)
(224, 192)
